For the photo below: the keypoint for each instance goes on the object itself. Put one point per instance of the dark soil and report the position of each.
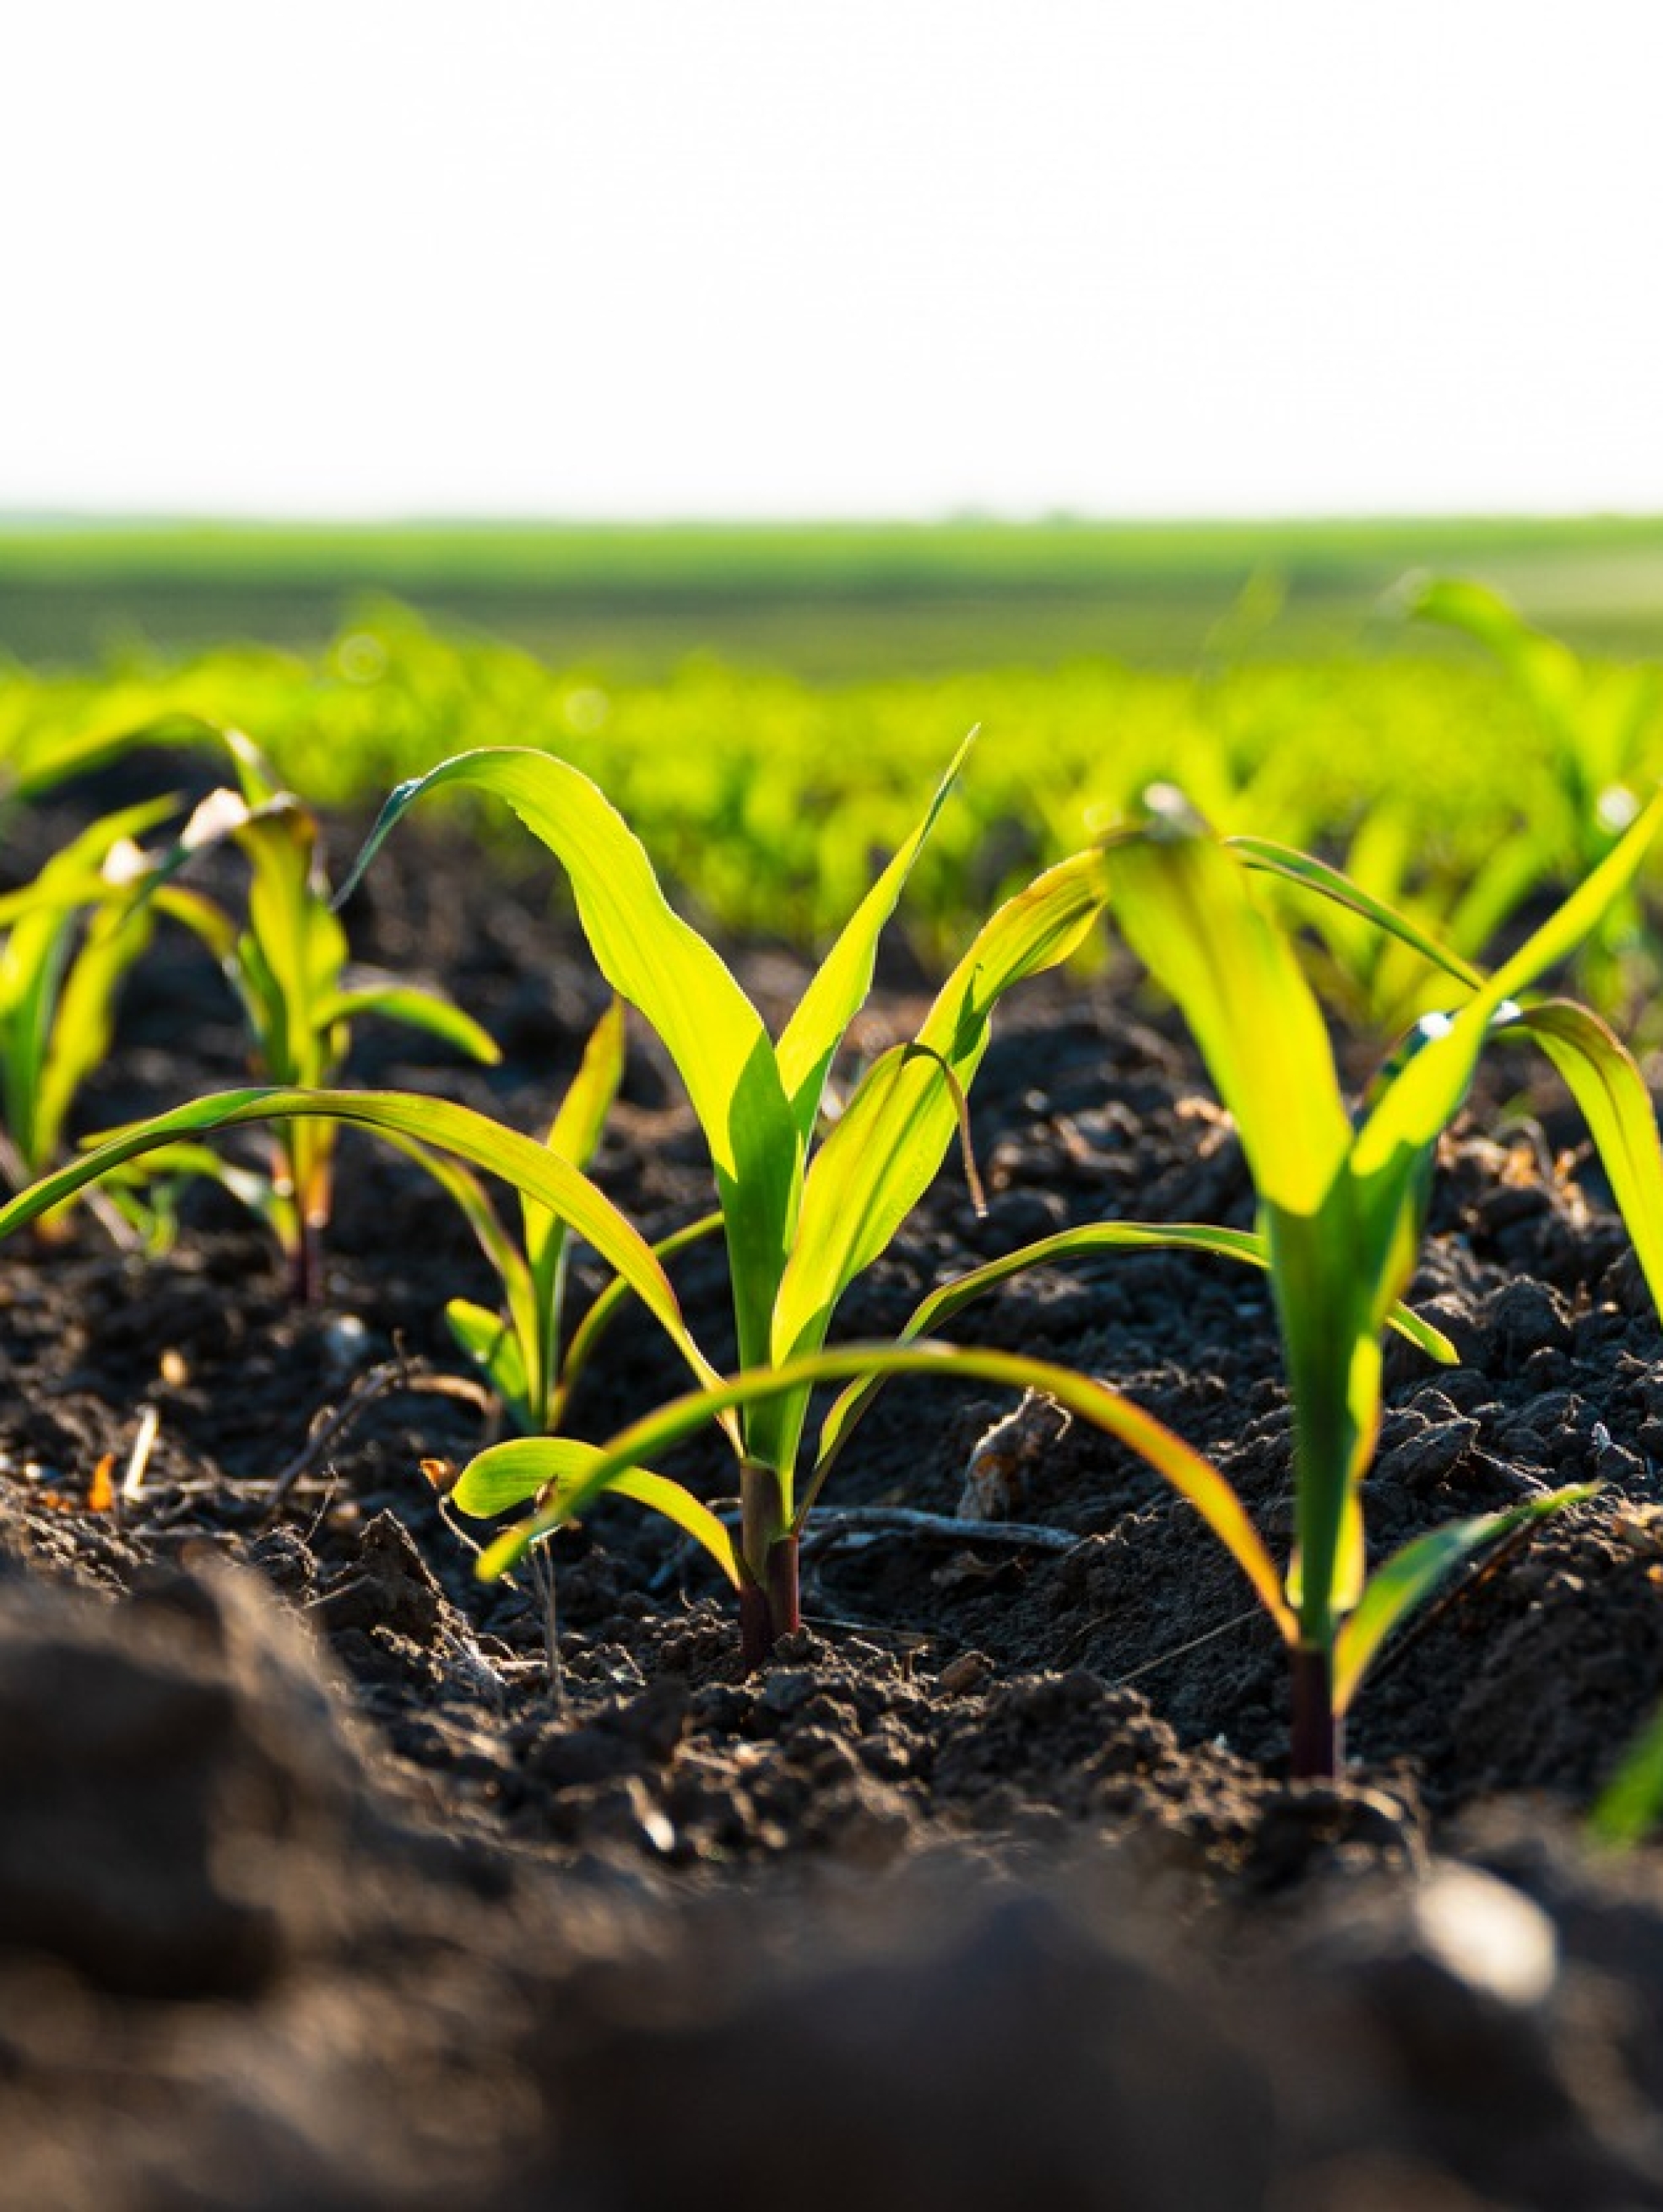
(992, 1891)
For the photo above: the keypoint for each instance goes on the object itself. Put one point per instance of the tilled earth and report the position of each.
(316, 1891)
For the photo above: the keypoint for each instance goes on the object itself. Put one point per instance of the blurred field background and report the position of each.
(827, 602)
(771, 705)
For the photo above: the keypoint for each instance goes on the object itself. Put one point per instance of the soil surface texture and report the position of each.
(316, 1891)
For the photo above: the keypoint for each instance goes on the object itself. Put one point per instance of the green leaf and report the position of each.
(1331, 1296)
(1604, 1079)
(1194, 1478)
(1425, 1094)
(508, 1473)
(1628, 1808)
(1085, 1241)
(1313, 875)
(528, 1167)
(843, 980)
(1412, 1573)
(1247, 1245)
(884, 1152)
(491, 1343)
(576, 1129)
(82, 1022)
(654, 959)
(73, 936)
(417, 1009)
(1187, 908)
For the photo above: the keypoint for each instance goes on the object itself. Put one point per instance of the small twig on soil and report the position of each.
(831, 1527)
(187, 1498)
(390, 1374)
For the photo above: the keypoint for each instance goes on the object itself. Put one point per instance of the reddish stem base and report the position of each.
(1318, 1739)
(771, 1608)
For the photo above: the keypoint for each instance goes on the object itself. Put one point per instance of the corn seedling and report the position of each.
(1595, 1066)
(1341, 1208)
(288, 964)
(69, 939)
(801, 1222)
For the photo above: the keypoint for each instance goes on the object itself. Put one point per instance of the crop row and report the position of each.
(1457, 787)
(804, 1204)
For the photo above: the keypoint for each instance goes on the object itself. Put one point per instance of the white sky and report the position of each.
(638, 257)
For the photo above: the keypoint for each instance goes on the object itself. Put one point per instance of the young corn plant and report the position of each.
(800, 1221)
(68, 940)
(286, 960)
(1341, 1208)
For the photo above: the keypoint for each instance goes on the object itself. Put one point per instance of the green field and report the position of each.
(829, 602)
(770, 709)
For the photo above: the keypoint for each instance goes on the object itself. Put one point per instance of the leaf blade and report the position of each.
(840, 984)
(1414, 1572)
(1194, 1477)
(530, 1167)
(506, 1474)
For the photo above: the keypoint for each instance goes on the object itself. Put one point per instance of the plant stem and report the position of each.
(543, 1573)
(769, 1601)
(306, 1264)
(1317, 1737)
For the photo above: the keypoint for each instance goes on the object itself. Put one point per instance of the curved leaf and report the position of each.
(1603, 1077)
(656, 961)
(1089, 1238)
(1424, 1094)
(1194, 1477)
(1310, 874)
(418, 1010)
(508, 1473)
(1412, 1574)
(810, 1039)
(530, 1167)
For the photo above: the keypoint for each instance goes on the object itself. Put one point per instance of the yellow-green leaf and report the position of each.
(1415, 1572)
(1194, 1477)
(508, 1473)
(1185, 906)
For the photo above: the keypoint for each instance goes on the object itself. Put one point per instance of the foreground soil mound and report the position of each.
(314, 1892)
